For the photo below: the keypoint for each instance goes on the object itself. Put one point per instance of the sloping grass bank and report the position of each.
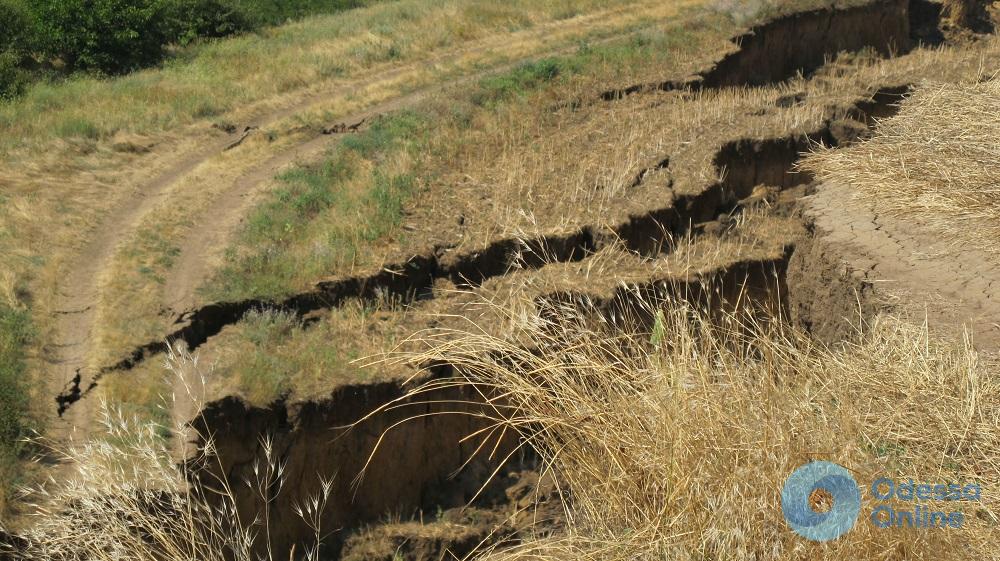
(55, 38)
(213, 77)
(335, 216)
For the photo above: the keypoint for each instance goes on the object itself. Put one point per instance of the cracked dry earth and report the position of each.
(956, 288)
(690, 183)
(221, 185)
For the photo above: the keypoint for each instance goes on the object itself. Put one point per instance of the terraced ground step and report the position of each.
(742, 164)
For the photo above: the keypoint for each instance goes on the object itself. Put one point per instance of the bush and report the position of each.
(112, 36)
(13, 79)
(972, 14)
(18, 25)
(188, 20)
(16, 43)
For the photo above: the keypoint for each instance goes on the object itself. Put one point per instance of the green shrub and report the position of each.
(112, 36)
(15, 331)
(19, 27)
(17, 42)
(187, 20)
(13, 78)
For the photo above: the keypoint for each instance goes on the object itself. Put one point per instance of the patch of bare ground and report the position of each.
(917, 272)
(913, 208)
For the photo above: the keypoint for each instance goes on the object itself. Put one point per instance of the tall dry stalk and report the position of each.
(674, 443)
(128, 499)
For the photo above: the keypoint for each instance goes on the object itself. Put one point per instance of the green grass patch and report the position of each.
(278, 359)
(527, 77)
(154, 253)
(322, 214)
(78, 127)
(263, 374)
(624, 56)
(15, 423)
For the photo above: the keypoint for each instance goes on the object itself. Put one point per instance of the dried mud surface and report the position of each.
(917, 273)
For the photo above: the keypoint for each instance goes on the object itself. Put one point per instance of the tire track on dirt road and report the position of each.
(78, 296)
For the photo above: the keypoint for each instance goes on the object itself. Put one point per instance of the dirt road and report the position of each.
(72, 365)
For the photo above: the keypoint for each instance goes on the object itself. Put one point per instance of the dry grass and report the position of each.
(523, 166)
(76, 153)
(967, 13)
(128, 499)
(533, 162)
(674, 442)
(933, 164)
(752, 235)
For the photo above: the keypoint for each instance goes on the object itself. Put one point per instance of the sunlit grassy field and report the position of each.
(72, 150)
(215, 77)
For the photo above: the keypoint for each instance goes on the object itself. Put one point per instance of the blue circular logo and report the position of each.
(840, 487)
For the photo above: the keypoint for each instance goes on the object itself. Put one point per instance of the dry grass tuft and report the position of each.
(934, 163)
(674, 443)
(128, 499)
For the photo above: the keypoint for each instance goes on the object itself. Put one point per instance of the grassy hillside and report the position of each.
(354, 200)
(411, 188)
(210, 79)
(53, 39)
(76, 150)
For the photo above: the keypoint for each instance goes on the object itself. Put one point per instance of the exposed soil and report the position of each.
(801, 42)
(408, 474)
(917, 273)
(71, 374)
(825, 275)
